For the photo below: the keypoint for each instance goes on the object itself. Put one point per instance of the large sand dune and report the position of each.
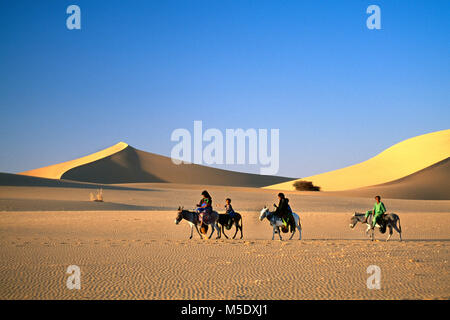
(398, 161)
(57, 170)
(432, 183)
(124, 164)
(17, 180)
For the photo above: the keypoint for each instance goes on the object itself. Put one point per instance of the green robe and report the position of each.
(378, 210)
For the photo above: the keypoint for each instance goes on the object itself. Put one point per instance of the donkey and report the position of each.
(236, 220)
(388, 221)
(276, 223)
(192, 218)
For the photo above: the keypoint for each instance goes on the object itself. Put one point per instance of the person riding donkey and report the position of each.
(283, 210)
(378, 211)
(229, 210)
(205, 206)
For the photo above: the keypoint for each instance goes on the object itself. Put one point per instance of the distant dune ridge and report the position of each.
(122, 163)
(397, 162)
(57, 170)
(432, 183)
(417, 168)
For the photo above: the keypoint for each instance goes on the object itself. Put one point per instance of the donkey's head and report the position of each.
(263, 213)
(179, 215)
(354, 219)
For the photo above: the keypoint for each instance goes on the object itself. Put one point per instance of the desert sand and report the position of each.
(129, 247)
(396, 162)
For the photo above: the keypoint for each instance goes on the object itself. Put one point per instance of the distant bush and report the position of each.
(305, 186)
(98, 197)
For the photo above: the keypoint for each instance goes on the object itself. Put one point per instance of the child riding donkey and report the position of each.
(229, 218)
(378, 211)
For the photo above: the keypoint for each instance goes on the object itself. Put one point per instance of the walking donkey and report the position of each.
(387, 221)
(192, 218)
(236, 220)
(276, 223)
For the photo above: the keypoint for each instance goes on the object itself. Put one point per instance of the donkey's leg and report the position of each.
(273, 232)
(299, 231)
(367, 230)
(212, 231)
(236, 226)
(223, 231)
(390, 233)
(398, 229)
(292, 234)
(196, 228)
(192, 231)
(240, 227)
(219, 234)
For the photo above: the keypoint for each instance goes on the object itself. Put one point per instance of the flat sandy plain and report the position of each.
(129, 247)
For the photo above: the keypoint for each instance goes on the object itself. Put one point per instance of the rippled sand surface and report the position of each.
(144, 255)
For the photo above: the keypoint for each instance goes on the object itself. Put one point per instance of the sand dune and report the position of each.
(57, 170)
(398, 161)
(432, 183)
(125, 164)
(17, 180)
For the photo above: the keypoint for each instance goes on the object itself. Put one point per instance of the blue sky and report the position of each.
(339, 92)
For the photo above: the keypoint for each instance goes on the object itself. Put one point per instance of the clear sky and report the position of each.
(339, 92)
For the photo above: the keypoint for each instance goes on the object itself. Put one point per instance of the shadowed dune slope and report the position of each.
(18, 180)
(57, 170)
(396, 162)
(432, 183)
(125, 164)
(132, 165)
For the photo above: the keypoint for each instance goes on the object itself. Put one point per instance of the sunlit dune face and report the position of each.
(398, 161)
(56, 171)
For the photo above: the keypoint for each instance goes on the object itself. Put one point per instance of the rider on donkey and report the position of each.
(229, 211)
(283, 210)
(378, 210)
(205, 205)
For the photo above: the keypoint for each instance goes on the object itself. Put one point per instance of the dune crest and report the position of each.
(122, 163)
(431, 183)
(57, 170)
(396, 162)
